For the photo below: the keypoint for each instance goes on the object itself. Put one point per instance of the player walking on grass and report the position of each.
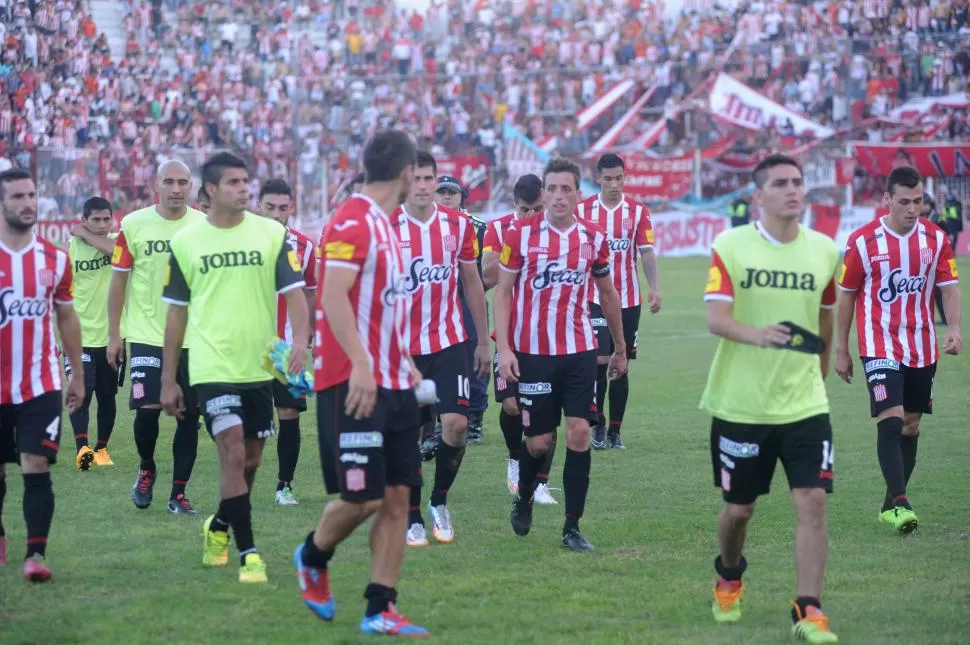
(438, 244)
(546, 342)
(90, 252)
(367, 412)
(527, 199)
(629, 235)
(276, 202)
(140, 262)
(768, 404)
(35, 282)
(231, 261)
(889, 271)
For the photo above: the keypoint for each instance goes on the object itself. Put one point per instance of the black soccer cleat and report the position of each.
(141, 492)
(598, 440)
(574, 540)
(181, 506)
(521, 516)
(476, 429)
(429, 448)
(613, 441)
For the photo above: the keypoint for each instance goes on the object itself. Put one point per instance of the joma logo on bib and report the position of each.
(91, 265)
(157, 246)
(778, 280)
(229, 259)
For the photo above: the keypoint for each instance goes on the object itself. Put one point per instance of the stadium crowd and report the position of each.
(297, 85)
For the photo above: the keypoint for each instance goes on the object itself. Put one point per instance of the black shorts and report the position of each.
(251, 402)
(631, 330)
(145, 363)
(361, 458)
(743, 456)
(891, 384)
(449, 371)
(552, 386)
(503, 389)
(283, 399)
(32, 427)
(99, 375)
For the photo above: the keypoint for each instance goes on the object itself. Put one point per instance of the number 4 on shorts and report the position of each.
(828, 455)
(53, 430)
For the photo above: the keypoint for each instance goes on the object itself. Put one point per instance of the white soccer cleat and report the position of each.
(512, 476)
(285, 497)
(441, 526)
(543, 496)
(417, 536)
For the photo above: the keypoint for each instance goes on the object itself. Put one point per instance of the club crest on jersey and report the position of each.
(450, 242)
(555, 274)
(12, 307)
(46, 277)
(421, 273)
(586, 251)
(897, 284)
(926, 255)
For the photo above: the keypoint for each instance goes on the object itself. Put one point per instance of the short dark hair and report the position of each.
(527, 190)
(609, 161)
(425, 160)
(387, 155)
(904, 176)
(769, 162)
(95, 204)
(10, 175)
(216, 165)
(203, 195)
(561, 164)
(275, 187)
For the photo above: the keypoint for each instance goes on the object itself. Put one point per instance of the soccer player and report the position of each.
(140, 263)
(527, 199)
(629, 235)
(224, 274)
(35, 280)
(451, 194)
(438, 245)
(367, 410)
(276, 202)
(90, 252)
(889, 271)
(768, 403)
(546, 342)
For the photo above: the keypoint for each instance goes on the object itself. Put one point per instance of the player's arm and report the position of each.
(310, 288)
(290, 284)
(826, 325)
(851, 277)
(610, 304)
(122, 262)
(490, 251)
(510, 264)
(177, 294)
(648, 259)
(719, 296)
(948, 279)
(103, 243)
(69, 329)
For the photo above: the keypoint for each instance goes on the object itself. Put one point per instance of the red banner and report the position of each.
(930, 160)
(658, 179)
(56, 231)
(472, 172)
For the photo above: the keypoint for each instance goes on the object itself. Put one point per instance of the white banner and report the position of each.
(737, 103)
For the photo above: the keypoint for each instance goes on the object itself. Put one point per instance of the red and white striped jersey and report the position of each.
(306, 253)
(628, 234)
(32, 281)
(432, 252)
(495, 232)
(550, 314)
(896, 275)
(361, 237)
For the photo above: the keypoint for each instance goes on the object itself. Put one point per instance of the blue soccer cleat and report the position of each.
(315, 587)
(392, 623)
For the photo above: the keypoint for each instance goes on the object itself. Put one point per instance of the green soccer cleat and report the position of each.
(253, 569)
(727, 601)
(215, 545)
(813, 627)
(904, 520)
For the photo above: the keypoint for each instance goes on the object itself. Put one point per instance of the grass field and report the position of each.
(130, 576)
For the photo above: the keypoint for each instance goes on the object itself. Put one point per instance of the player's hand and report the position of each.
(78, 231)
(173, 401)
(116, 352)
(297, 360)
(618, 365)
(654, 301)
(361, 392)
(843, 364)
(75, 391)
(953, 343)
(508, 366)
(483, 360)
(775, 336)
